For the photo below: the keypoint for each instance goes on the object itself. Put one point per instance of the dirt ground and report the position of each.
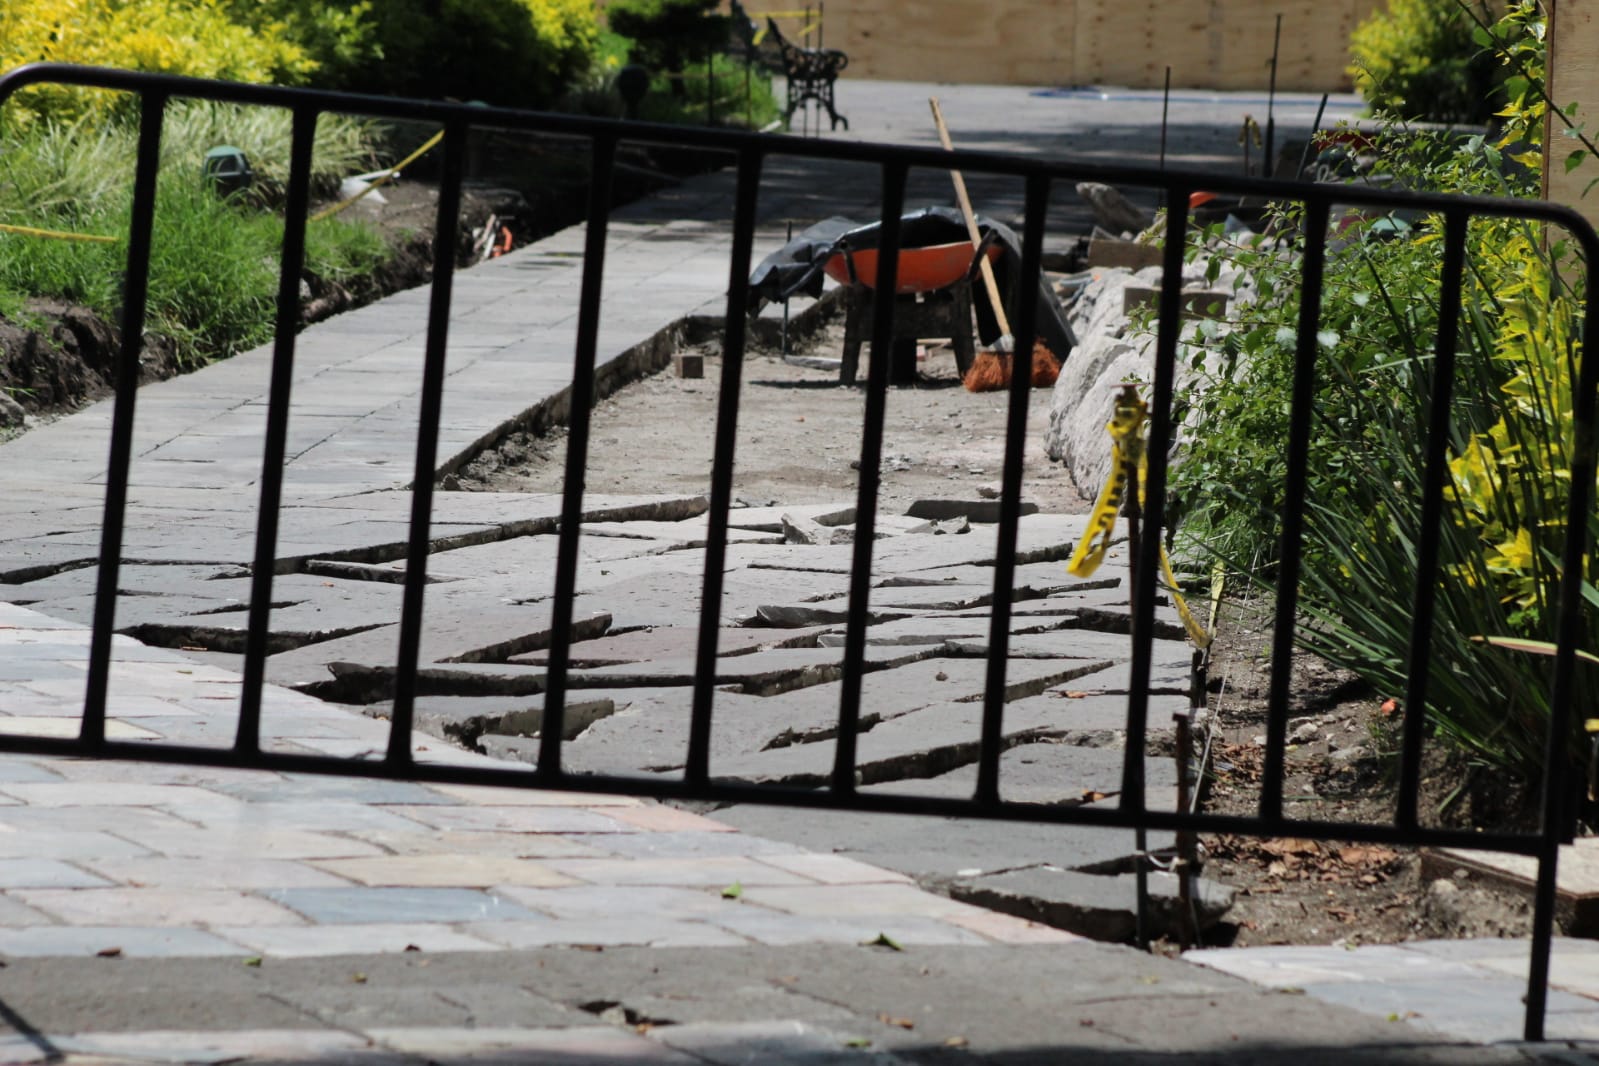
(799, 437)
(1340, 767)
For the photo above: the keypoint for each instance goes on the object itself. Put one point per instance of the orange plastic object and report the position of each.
(1199, 199)
(920, 269)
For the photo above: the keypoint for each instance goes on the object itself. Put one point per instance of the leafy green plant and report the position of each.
(513, 53)
(1418, 59)
(196, 37)
(1509, 449)
(670, 35)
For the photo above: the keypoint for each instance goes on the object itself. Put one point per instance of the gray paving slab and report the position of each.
(466, 719)
(491, 631)
(344, 906)
(764, 672)
(935, 850)
(645, 645)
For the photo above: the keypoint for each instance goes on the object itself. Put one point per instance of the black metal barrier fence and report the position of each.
(1039, 176)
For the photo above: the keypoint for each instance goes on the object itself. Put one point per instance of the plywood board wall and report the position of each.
(1573, 75)
(1221, 44)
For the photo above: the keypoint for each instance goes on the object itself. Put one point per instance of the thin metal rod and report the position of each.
(135, 292)
(552, 729)
(860, 578)
(1435, 476)
(1021, 385)
(1269, 162)
(1569, 635)
(1293, 509)
(1310, 142)
(697, 766)
(1165, 111)
(291, 265)
(427, 442)
(1145, 561)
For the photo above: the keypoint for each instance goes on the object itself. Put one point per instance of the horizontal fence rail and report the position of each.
(1039, 176)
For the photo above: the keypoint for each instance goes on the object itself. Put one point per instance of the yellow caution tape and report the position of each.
(1126, 429)
(56, 235)
(394, 172)
(1196, 632)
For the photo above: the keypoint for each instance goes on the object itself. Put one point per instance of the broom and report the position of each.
(991, 369)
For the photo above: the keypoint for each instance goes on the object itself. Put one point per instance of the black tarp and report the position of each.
(796, 268)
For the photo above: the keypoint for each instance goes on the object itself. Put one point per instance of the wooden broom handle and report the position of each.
(971, 223)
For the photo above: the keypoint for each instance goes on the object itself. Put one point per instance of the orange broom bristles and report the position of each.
(991, 371)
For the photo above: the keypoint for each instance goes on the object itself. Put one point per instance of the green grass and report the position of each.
(214, 265)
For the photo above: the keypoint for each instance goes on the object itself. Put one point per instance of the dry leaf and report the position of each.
(956, 1041)
(902, 1023)
(1367, 854)
(109, 953)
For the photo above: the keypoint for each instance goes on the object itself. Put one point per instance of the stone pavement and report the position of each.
(161, 913)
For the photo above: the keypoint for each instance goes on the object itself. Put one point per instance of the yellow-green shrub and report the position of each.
(196, 37)
(1416, 59)
(514, 53)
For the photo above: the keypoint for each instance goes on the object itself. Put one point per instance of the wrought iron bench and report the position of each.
(810, 73)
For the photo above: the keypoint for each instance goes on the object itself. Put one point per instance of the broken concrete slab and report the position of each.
(923, 744)
(1098, 906)
(674, 642)
(1576, 878)
(935, 850)
(1097, 719)
(677, 536)
(770, 519)
(463, 719)
(832, 612)
(650, 729)
(449, 635)
(1112, 209)
(1043, 766)
(1173, 677)
(937, 629)
(986, 511)
(1168, 656)
(800, 530)
(759, 673)
(667, 598)
(1131, 255)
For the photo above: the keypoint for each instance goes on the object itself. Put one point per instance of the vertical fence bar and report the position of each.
(1568, 635)
(1293, 509)
(427, 441)
(1021, 385)
(697, 766)
(596, 228)
(860, 577)
(1146, 565)
(135, 292)
(1435, 475)
(290, 266)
